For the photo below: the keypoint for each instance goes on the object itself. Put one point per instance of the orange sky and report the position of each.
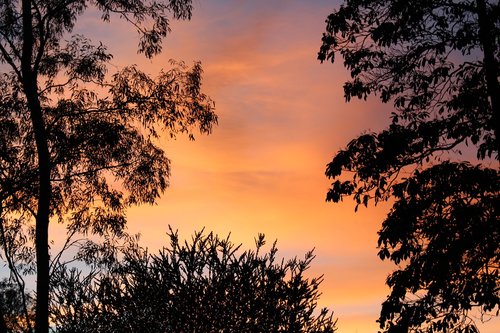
(282, 117)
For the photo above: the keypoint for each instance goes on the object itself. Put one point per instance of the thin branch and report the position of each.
(10, 61)
(19, 280)
(67, 244)
(82, 113)
(87, 172)
(44, 35)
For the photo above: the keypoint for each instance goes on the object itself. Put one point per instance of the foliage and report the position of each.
(444, 225)
(78, 144)
(12, 315)
(437, 63)
(204, 285)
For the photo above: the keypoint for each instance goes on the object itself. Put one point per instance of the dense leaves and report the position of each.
(437, 63)
(13, 305)
(203, 285)
(444, 226)
(93, 140)
(78, 144)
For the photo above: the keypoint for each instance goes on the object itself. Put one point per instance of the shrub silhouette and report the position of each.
(205, 285)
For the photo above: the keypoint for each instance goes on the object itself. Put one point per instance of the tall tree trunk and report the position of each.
(490, 65)
(30, 87)
(42, 218)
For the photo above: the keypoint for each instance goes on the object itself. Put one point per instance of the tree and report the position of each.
(78, 145)
(203, 285)
(437, 62)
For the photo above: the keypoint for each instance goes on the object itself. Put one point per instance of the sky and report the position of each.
(282, 117)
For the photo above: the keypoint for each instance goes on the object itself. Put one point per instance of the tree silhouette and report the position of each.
(203, 285)
(437, 63)
(78, 145)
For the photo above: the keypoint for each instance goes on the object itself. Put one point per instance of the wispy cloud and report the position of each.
(282, 117)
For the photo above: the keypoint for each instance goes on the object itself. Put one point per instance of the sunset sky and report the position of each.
(282, 117)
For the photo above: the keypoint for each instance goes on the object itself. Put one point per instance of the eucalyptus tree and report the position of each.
(436, 62)
(79, 144)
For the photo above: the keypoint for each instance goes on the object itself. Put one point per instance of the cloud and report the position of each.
(282, 117)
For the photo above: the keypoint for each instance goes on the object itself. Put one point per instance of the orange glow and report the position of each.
(282, 118)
